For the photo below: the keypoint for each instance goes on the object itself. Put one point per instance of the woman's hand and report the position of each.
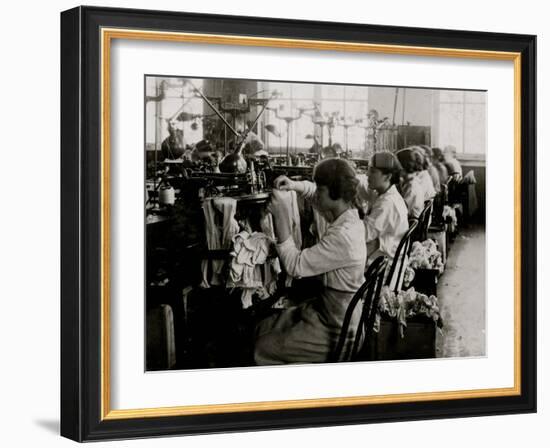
(278, 207)
(371, 196)
(284, 183)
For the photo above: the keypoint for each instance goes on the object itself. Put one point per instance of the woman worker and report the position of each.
(386, 221)
(423, 174)
(453, 165)
(432, 170)
(410, 187)
(438, 162)
(309, 332)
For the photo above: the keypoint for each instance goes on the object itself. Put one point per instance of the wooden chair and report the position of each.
(438, 227)
(454, 191)
(440, 200)
(421, 232)
(399, 260)
(369, 295)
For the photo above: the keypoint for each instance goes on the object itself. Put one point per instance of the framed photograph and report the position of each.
(274, 223)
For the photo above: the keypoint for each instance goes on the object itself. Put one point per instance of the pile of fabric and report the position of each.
(405, 305)
(251, 269)
(424, 255)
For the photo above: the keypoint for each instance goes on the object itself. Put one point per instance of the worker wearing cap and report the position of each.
(386, 221)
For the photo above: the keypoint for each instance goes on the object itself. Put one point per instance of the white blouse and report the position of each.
(386, 222)
(340, 254)
(427, 183)
(414, 194)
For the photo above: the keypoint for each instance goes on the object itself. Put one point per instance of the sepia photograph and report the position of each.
(310, 223)
(276, 224)
(291, 223)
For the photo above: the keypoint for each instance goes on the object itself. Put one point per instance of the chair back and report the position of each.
(421, 232)
(368, 295)
(453, 191)
(399, 260)
(440, 201)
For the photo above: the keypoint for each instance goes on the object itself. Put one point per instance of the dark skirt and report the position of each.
(307, 333)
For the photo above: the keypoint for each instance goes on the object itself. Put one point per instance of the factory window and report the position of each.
(288, 117)
(349, 106)
(167, 99)
(298, 107)
(462, 119)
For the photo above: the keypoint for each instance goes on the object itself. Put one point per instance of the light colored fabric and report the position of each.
(309, 332)
(227, 207)
(221, 227)
(427, 184)
(273, 267)
(387, 223)
(292, 203)
(291, 199)
(250, 268)
(413, 193)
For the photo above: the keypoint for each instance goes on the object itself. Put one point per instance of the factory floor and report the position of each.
(218, 334)
(461, 293)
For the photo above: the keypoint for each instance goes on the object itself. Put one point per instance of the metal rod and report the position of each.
(288, 141)
(254, 123)
(218, 113)
(395, 105)
(404, 102)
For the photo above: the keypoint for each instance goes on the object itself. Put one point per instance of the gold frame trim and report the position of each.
(107, 35)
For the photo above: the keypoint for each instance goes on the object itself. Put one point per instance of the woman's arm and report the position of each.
(334, 251)
(303, 188)
(281, 224)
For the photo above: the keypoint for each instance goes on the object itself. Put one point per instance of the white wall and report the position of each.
(29, 236)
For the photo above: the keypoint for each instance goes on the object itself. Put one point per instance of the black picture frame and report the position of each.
(81, 209)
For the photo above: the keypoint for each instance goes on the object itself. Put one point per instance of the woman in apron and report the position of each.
(308, 333)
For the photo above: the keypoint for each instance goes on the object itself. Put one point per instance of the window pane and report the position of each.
(302, 91)
(332, 92)
(346, 103)
(475, 129)
(475, 97)
(178, 97)
(451, 125)
(356, 93)
(451, 96)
